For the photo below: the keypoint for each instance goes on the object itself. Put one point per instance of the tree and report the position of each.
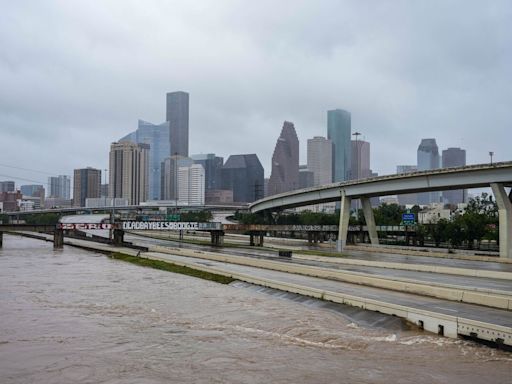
(438, 231)
(388, 214)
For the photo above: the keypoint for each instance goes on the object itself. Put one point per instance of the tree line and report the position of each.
(478, 222)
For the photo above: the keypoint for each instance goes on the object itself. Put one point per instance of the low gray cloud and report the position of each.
(76, 76)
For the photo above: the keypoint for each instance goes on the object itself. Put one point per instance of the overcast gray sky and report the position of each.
(76, 75)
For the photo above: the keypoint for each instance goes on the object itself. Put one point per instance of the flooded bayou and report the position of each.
(73, 316)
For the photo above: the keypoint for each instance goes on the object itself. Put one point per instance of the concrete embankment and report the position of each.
(439, 316)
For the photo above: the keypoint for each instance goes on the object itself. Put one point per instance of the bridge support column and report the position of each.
(118, 237)
(251, 240)
(1, 239)
(344, 218)
(262, 235)
(505, 219)
(370, 220)
(58, 239)
(217, 238)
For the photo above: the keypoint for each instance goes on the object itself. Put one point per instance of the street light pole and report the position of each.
(358, 158)
(491, 154)
(358, 155)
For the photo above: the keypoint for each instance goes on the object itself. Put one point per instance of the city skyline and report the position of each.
(376, 69)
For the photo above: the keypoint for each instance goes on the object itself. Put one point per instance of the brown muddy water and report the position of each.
(73, 316)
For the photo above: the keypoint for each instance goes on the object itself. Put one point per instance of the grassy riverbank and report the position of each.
(164, 266)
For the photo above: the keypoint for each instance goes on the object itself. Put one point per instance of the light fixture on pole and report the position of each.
(491, 154)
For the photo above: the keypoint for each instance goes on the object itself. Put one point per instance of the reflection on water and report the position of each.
(73, 316)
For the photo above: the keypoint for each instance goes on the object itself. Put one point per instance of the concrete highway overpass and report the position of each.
(498, 176)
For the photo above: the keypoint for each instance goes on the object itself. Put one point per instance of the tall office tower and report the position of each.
(360, 166)
(169, 175)
(285, 162)
(128, 172)
(32, 190)
(177, 116)
(86, 184)
(428, 158)
(407, 198)
(306, 177)
(158, 139)
(454, 157)
(320, 156)
(7, 186)
(212, 167)
(191, 184)
(60, 187)
(243, 174)
(339, 132)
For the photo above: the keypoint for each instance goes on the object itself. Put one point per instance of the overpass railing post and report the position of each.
(344, 220)
(505, 219)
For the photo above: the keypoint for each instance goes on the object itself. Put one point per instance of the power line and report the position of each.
(21, 178)
(26, 169)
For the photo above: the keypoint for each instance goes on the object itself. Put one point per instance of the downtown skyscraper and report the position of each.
(339, 132)
(86, 184)
(158, 139)
(428, 159)
(244, 175)
(177, 113)
(128, 172)
(285, 162)
(59, 187)
(454, 157)
(320, 159)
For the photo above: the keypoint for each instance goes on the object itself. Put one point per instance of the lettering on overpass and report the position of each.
(84, 226)
(170, 225)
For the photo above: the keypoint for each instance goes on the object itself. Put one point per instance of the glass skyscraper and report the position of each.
(177, 116)
(157, 136)
(339, 132)
(428, 158)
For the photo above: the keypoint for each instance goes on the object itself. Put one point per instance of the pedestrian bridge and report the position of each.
(498, 176)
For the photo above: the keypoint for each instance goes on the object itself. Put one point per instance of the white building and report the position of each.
(433, 214)
(320, 152)
(191, 185)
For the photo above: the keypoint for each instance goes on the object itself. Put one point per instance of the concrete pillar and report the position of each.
(344, 218)
(370, 220)
(251, 240)
(505, 219)
(118, 237)
(310, 238)
(261, 239)
(217, 238)
(58, 239)
(1, 239)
